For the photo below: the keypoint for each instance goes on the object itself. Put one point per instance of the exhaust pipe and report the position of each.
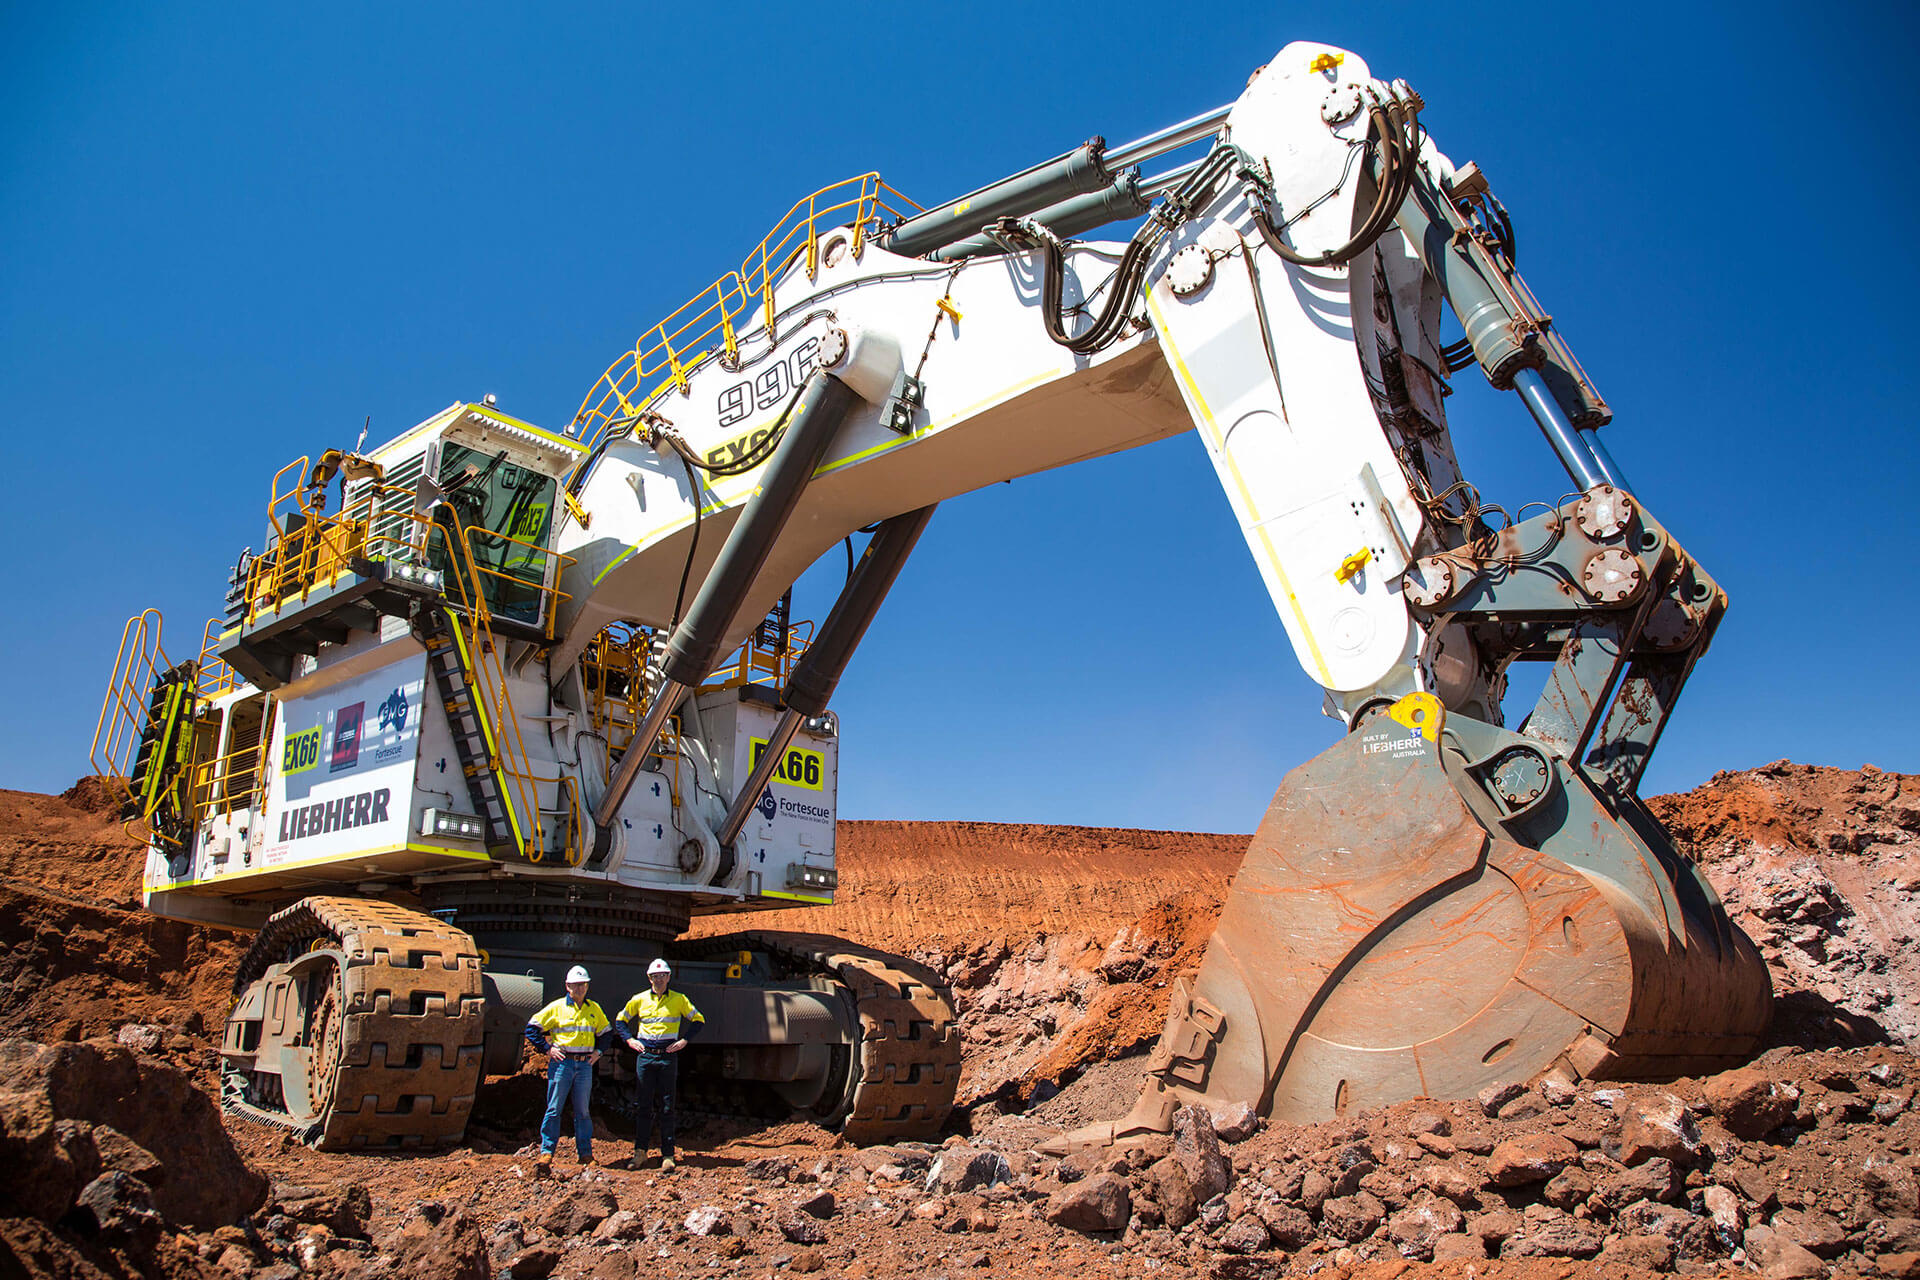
(811, 686)
(695, 644)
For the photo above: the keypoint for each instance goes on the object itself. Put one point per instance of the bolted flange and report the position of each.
(1602, 512)
(1612, 576)
(1429, 582)
(1189, 271)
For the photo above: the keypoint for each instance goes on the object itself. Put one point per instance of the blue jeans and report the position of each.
(569, 1077)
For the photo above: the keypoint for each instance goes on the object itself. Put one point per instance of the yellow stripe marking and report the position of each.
(722, 503)
(796, 897)
(1219, 443)
(251, 872)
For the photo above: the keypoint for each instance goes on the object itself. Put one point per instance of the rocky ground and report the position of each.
(115, 1161)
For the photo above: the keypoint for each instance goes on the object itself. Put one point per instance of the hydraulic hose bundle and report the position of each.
(1395, 135)
(1111, 320)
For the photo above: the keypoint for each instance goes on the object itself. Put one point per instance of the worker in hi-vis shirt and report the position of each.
(568, 1031)
(656, 1024)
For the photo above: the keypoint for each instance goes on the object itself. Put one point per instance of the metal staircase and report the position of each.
(475, 741)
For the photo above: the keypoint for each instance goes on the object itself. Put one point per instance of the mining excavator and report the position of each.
(493, 700)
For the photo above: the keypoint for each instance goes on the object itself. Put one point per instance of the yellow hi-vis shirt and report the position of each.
(655, 1017)
(572, 1026)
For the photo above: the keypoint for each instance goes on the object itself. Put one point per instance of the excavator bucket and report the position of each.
(1390, 936)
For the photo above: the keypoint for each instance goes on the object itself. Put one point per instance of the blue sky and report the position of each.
(232, 233)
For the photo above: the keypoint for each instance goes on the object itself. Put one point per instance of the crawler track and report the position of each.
(906, 1068)
(391, 1048)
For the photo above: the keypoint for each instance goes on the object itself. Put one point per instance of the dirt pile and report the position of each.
(1801, 1166)
(1817, 865)
(1058, 942)
(106, 1155)
(79, 957)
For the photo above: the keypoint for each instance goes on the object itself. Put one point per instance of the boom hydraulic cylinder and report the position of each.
(811, 686)
(695, 645)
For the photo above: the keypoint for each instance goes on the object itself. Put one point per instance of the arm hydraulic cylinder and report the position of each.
(1123, 199)
(1076, 173)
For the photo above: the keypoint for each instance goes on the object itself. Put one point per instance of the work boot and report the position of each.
(543, 1165)
(586, 1162)
(666, 1164)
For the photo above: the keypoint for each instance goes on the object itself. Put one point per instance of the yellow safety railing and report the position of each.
(378, 524)
(615, 664)
(123, 712)
(216, 677)
(711, 323)
(228, 783)
(755, 663)
(507, 748)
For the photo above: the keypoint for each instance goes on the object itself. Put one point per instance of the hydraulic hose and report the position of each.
(1396, 133)
(1111, 320)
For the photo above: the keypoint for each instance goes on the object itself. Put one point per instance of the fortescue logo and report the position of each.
(393, 712)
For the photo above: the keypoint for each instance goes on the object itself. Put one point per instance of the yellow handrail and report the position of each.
(507, 749)
(123, 712)
(659, 357)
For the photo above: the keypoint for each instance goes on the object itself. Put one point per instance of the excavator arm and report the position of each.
(1438, 900)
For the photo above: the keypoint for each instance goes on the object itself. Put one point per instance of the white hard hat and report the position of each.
(578, 974)
(659, 966)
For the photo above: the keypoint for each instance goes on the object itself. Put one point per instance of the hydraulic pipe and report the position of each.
(1607, 465)
(694, 647)
(1158, 185)
(811, 686)
(1076, 173)
(1569, 444)
(1123, 199)
(1169, 139)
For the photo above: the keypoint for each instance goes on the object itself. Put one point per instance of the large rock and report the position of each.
(1353, 1218)
(1165, 1181)
(1450, 1181)
(1777, 1258)
(1690, 1236)
(1197, 1149)
(1099, 1203)
(1558, 1237)
(1657, 1179)
(1816, 1232)
(1288, 1224)
(344, 1212)
(1235, 1122)
(577, 1213)
(1648, 1253)
(1891, 1187)
(451, 1249)
(120, 1207)
(1654, 1125)
(1418, 1226)
(52, 1099)
(1749, 1102)
(1536, 1157)
(960, 1169)
(1244, 1235)
(798, 1227)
